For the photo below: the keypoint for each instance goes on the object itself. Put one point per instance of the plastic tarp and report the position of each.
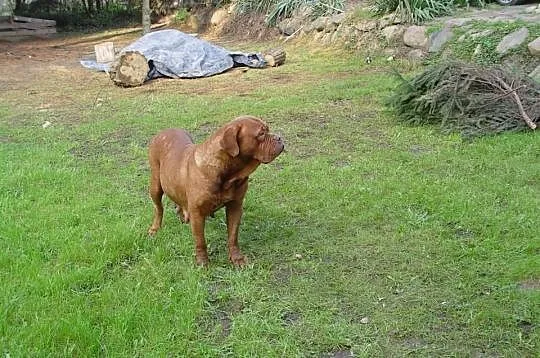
(172, 53)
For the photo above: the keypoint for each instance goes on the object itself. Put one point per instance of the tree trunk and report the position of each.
(146, 16)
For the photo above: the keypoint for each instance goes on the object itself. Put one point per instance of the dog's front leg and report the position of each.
(197, 229)
(234, 215)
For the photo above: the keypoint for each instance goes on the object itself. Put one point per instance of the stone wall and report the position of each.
(394, 38)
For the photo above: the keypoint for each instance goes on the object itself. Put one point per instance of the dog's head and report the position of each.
(249, 137)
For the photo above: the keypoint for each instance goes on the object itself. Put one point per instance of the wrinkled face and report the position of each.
(252, 139)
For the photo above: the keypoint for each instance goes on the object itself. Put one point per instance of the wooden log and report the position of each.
(104, 52)
(275, 57)
(129, 70)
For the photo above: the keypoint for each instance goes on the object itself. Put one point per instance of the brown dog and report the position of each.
(201, 178)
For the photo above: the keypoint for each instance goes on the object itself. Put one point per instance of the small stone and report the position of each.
(512, 40)
(458, 22)
(390, 59)
(534, 47)
(481, 34)
(298, 256)
(364, 320)
(477, 50)
(535, 74)
(46, 124)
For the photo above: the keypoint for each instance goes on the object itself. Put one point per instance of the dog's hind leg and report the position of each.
(156, 193)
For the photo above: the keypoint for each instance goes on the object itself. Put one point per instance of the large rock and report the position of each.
(289, 26)
(416, 37)
(394, 33)
(438, 39)
(534, 47)
(219, 17)
(388, 20)
(337, 18)
(320, 23)
(535, 75)
(512, 40)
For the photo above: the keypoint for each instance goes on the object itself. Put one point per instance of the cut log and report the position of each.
(275, 57)
(130, 70)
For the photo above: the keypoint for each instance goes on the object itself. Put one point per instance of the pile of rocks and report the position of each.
(397, 37)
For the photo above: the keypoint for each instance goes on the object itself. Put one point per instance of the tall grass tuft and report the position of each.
(414, 11)
(276, 10)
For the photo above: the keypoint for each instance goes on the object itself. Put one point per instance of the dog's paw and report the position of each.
(202, 260)
(152, 231)
(238, 260)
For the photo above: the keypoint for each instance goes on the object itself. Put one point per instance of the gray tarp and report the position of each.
(171, 53)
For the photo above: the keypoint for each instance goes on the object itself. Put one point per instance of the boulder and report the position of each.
(388, 20)
(394, 33)
(320, 23)
(337, 19)
(416, 37)
(438, 39)
(534, 47)
(535, 75)
(512, 40)
(289, 26)
(219, 17)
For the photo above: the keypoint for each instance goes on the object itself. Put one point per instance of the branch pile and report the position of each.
(469, 99)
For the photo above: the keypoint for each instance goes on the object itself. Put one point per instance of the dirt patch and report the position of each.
(249, 26)
(346, 353)
(290, 318)
(530, 284)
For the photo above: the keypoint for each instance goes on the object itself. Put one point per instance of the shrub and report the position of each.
(414, 11)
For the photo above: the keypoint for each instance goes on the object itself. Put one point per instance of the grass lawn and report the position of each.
(366, 237)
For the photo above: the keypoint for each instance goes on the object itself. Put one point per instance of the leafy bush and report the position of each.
(414, 11)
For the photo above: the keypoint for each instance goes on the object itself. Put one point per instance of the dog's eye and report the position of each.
(260, 135)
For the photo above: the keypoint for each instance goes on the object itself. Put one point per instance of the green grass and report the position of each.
(410, 241)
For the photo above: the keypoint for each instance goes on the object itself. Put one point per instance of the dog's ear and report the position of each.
(229, 142)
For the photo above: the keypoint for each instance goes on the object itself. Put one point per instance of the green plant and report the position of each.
(414, 11)
(280, 9)
(181, 15)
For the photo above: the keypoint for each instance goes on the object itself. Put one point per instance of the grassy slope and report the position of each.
(425, 237)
